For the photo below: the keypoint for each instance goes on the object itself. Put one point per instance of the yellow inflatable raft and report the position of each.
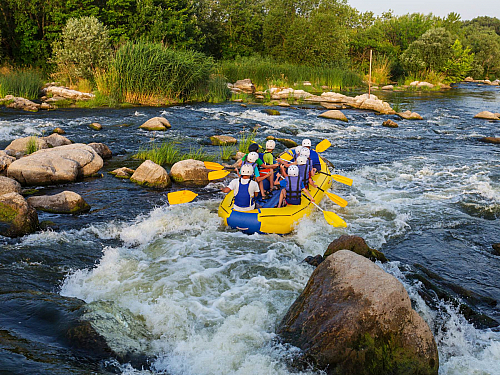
(275, 220)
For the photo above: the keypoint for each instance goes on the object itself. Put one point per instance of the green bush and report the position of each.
(83, 48)
(459, 64)
(23, 83)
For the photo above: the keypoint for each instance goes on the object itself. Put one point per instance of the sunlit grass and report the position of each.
(168, 153)
(25, 83)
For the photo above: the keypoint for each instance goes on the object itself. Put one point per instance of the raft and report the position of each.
(275, 220)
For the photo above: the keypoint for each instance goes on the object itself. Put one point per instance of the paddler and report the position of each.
(305, 169)
(270, 162)
(293, 187)
(244, 188)
(313, 155)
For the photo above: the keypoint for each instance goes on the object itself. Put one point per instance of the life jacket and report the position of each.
(269, 152)
(243, 198)
(253, 165)
(304, 172)
(315, 160)
(293, 190)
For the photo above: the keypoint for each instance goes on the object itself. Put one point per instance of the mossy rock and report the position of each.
(223, 140)
(284, 141)
(95, 126)
(272, 112)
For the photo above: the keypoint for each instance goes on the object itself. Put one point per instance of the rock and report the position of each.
(56, 165)
(238, 100)
(122, 172)
(152, 175)
(46, 106)
(387, 87)
(332, 105)
(496, 248)
(190, 171)
(245, 85)
(156, 123)
(63, 92)
(289, 143)
(495, 140)
(21, 144)
(409, 115)
(372, 103)
(11, 101)
(102, 150)
(239, 155)
(5, 161)
(272, 112)
(414, 83)
(280, 94)
(283, 104)
(56, 140)
(425, 84)
(9, 185)
(389, 124)
(95, 126)
(67, 202)
(355, 244)
(444, 86)
(487, 115)
(334, 115)
(469, 79)
(314, 261)
(354, 318)
(260, 97)
(223, 140)
(17, 217)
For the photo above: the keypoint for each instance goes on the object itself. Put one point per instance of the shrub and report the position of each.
(246, 139)
(459, 64)
(24, 83)
(83, 48)
(32, 145)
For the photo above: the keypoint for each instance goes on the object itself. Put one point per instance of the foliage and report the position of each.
(381, 70)
(198, 154)
(169, 153)
(217, 89)
(85, 47)
(459, 64)
(430, 52)
(32, 145)
(145, 72)
(227, 151)
(245, 140)
(484, 42)
(25, 83)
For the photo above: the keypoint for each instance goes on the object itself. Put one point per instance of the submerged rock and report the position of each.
(191, 172)
(223, 140)
(17, 217)
(58, 131)
(487, 115)
(334, 115)
(156, 123)
(495, 140)
(102, 150)
(354, 318)
(287, 142)
(66, 202)
(390, 124)
(272, 112)
(95, 126)
(122, 172)
(496, 248)
(409, 115)
(152, 175)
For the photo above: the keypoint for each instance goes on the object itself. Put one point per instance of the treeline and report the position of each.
(327, 33)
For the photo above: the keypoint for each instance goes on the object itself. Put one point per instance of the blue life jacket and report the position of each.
(304, 171)
(243, 198)
(315, 160)
(254, 166)
(293, 190)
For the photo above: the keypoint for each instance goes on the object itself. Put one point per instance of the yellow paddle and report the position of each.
(332, 218)
(335, 198)
(323, 145)
(342, 179)
(185, 196)
(214, 166)
(216, 175)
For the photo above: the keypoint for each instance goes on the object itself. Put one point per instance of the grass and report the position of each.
(169, 153)
(25, 83)
(245, 140)
(381, 70)
(265, 72)
(227, 151)
(32, 145)
(425, 76)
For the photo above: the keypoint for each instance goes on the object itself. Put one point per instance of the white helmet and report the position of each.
(252, 157)
(305, 152)
(301, 160)
(306, 143)
(293, 171)
(246, 170)
(298, 149)
(270, 145)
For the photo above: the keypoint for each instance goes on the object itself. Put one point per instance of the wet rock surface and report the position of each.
(17, 217)
(152, 175)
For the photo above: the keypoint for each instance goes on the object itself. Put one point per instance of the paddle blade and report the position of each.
(334, 219)
(342, 179)
(323, 145)
(213, 166)
(336, 199)
(181, 196)
(215, 175)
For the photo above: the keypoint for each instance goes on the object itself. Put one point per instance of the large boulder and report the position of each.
(66, 93)
(56, 140)
(334, 115)
(67, 202)
(156, 123)
(244, 85)
(56, 165)
(21, 144)
(17, 217)
(151, 174)
(5, 161)
(101, 149)
(9, 185)
(191, 172)
(354, 318)
(355, 244)
(487, 115)
(11, 101)
(222, 140)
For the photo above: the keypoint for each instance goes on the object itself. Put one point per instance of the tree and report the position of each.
(430, 52)
(85, 46)
(484, 42)
(459, 64)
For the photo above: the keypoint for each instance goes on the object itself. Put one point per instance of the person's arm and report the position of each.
(306, 192)
(225, 189)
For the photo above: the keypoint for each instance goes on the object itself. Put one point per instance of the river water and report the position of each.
(181, 294)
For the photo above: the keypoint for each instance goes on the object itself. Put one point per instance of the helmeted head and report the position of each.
(254, 147)
(301, 160)
(293, 171)
(270, 145)
(305, 152)
(246, 170)
(252, 157)
(306, 143)
(298, 149)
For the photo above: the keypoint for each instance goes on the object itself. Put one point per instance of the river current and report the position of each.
(182, 294)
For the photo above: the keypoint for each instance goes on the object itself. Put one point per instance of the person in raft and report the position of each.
(253, 159)
(245, 189)
(313, 155)
(271, 163)
(293, 186)
(305, 169)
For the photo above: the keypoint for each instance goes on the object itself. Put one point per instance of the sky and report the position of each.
(466, 8)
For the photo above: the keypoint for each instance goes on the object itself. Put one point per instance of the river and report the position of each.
(182, 294)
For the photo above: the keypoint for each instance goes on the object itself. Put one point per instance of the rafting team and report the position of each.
(292, 177)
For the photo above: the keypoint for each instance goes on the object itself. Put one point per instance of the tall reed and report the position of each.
(169, 153)
(25, 83)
